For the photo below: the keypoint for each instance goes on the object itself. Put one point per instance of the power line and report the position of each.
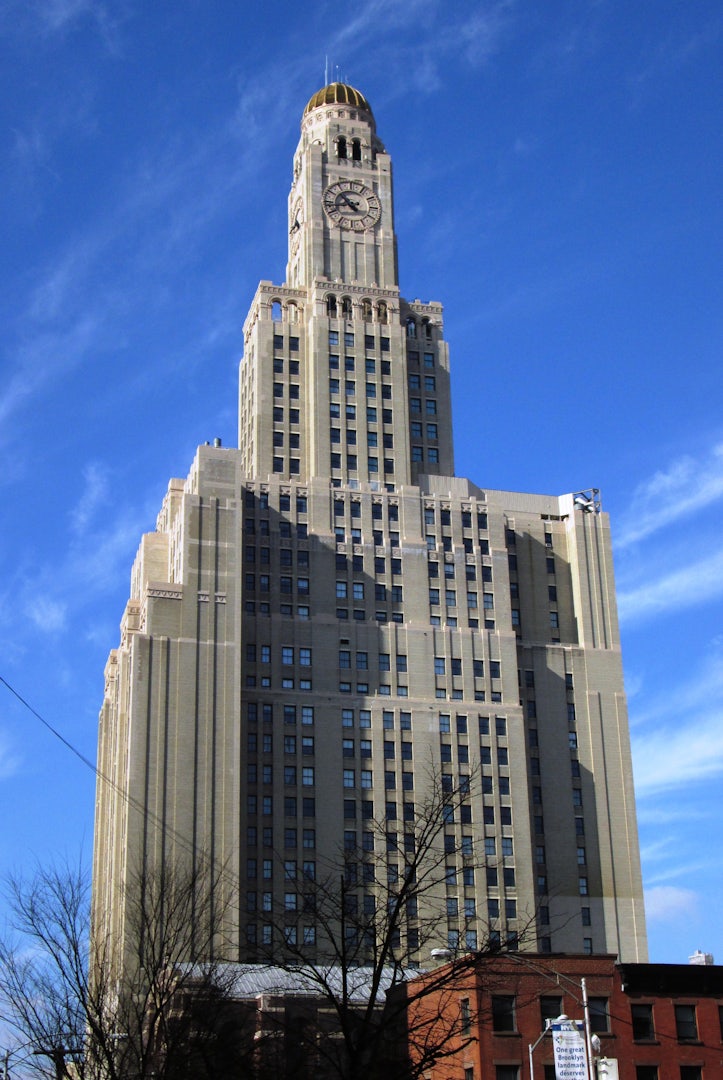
(148, 816)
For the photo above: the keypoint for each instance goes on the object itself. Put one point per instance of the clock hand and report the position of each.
(349, 202)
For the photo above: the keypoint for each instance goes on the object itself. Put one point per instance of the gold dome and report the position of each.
(338, 94)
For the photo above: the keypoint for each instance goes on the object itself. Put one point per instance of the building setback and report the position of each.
(326, 622)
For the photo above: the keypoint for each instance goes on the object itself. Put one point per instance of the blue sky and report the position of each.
(558, 178)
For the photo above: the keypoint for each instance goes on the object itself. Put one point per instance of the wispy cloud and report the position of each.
(668, 903)
(48, 597)
(678, 737)
(43, 360)
(95, 494)
(10, 760)
(653, 814)
(698, 583)
(47, 614)
(668, 56)
(688, 485)
(677, 868)
(677, 757)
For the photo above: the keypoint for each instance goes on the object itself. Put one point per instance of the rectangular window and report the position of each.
(503, 1012)
(550, 1008)
(642, 1017)
(599, 1019)
(686, 1027)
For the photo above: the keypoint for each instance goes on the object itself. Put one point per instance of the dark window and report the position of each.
(465, 1015)
(599, 1014)
(503, 1012)
(685, 1023)
(507, 1072)
(691, 1072)
(642, 1016)
(646, 1072)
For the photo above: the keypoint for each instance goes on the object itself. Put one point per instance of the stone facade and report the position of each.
(326, 619)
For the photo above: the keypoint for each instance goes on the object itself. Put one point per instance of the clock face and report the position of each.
(352, 205)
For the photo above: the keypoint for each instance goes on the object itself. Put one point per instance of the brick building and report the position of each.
(655, 1021)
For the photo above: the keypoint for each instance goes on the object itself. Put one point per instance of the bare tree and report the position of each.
(369, 917)
(85, 1012)
(44, 992)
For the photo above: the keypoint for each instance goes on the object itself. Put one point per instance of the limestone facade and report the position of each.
(326, 618)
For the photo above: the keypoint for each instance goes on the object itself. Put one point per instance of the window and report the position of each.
(646, 1072)
(691, 1072)
(503, 1013)
(642, 1017)
(599, 1014)
(686, 1027)
(550, 1008)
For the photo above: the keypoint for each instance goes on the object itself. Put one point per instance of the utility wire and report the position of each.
(148, 816)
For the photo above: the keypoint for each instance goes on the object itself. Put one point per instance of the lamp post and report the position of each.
(533, 1046)
(564, 1020)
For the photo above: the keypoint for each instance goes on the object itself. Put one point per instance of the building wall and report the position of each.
(327, 622)
(531, 988)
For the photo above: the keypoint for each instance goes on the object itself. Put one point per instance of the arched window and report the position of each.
(411, 327)
(331, 305)
(276, 310)
(427, 329)
(292, 312)
(366, 306)
(382, 312)
(356, 149)
(346, 307)
(341, 147)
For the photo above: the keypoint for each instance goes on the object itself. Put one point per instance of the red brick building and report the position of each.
(654, 1021)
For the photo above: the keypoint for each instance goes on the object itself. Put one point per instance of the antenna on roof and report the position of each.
(326, 71)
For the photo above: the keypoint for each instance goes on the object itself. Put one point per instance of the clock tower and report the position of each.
(341, 212)
(356, 379)
(329, 630)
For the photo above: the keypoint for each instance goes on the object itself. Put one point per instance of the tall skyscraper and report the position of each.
(326, 620)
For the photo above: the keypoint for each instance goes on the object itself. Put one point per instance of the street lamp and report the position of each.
(533, 1046)
(591, 1041)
